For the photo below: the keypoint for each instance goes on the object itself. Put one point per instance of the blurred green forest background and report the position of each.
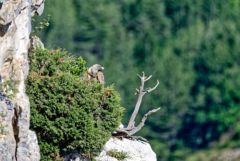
(191, 46)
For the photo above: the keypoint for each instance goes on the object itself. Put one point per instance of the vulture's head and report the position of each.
(96, 68)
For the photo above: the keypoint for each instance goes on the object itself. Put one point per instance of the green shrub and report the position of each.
(67, 111)
(119, 155)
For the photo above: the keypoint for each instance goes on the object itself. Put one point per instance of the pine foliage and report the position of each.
(67, 111)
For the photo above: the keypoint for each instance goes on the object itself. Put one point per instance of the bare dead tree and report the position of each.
(131, 129)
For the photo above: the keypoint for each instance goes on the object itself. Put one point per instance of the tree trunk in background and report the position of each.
(17, 142)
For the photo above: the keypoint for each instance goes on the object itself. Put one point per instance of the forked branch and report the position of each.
(141, 91)
(141, 124)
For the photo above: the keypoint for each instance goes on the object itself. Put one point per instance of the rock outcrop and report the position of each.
(134, 150)
(120, 149)
(17, 142)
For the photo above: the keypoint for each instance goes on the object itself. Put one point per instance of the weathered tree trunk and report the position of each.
(17, 142)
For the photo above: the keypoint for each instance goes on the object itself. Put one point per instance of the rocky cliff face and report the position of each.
(17, 142)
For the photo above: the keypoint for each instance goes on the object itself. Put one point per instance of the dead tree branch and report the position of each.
(141, 124)
(141, 91)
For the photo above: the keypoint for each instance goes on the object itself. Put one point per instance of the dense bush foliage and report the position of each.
(67, 111)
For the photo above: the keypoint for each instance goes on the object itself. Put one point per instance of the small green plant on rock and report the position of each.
(69, 112)
(40, 23)
(3, 129)
(9, 88)
(119, 155)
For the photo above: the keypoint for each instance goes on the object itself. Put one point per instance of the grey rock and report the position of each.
(7, 140)
(36, 43)
(7, 101)
(135, 150)
(75, 156)
(37, 7)
(17, 142)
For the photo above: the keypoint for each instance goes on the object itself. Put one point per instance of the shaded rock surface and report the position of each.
(17, 142)
(135, 150)
(75, 156)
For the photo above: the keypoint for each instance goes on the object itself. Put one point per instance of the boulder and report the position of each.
(133, 150)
